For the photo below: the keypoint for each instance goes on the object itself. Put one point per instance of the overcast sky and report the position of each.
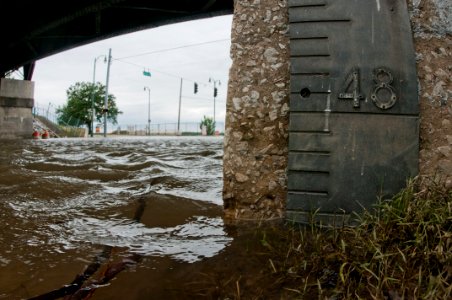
(53, 75)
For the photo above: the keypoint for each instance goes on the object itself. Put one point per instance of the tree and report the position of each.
(77, 111)
(210, 125)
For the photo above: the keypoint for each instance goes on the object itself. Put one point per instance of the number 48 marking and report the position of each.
(383, 94)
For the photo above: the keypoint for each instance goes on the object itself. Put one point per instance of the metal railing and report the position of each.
(187, 128)
(77, 127)
(61, 129)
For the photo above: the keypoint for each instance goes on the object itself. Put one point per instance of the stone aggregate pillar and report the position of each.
(431, 21)
(256, 136)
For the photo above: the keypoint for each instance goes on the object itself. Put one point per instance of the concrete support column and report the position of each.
(256, 137)
(16, 103)
(431, 21)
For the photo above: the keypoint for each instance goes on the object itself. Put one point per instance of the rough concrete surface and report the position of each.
(16, 102)
(255, 152)
(431, 21)
(15, 122)
(17, 88)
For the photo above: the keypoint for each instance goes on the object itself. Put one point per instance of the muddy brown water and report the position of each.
(134, 210)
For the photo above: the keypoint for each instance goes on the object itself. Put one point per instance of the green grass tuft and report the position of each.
(403, 250)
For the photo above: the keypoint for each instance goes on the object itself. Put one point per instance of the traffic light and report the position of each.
(196, 87)
(215, 92)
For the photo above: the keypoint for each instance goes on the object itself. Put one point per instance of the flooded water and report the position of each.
(76, 213)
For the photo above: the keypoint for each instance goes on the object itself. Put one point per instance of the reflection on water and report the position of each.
(62, 201)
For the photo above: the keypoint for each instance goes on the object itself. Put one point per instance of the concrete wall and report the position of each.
(255, 152)
(16, 103)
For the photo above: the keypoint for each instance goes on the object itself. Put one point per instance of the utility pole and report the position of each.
(48, 109)
(180, 102)
(92, 93)
(149, 109)
(215, 93)
(106, 93)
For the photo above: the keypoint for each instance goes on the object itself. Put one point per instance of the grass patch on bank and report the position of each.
(401, 251)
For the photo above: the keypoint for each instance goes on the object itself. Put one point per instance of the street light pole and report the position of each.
(214, 98)
(180, 102)
(93, 116)
(106, 93)
(149, 109)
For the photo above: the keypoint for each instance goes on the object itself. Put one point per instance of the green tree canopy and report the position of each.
(77, 111)
(210, 125)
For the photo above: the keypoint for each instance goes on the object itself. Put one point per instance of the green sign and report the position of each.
(147, 73)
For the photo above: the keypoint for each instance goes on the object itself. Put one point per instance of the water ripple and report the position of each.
(78, 194)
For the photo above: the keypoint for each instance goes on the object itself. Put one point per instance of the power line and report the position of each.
(144, 67)
(196, 62)
(175, 48)
(171, 75)
(200, 98)
(161, 72)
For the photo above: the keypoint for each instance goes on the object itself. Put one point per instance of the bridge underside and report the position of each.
(36, 29)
